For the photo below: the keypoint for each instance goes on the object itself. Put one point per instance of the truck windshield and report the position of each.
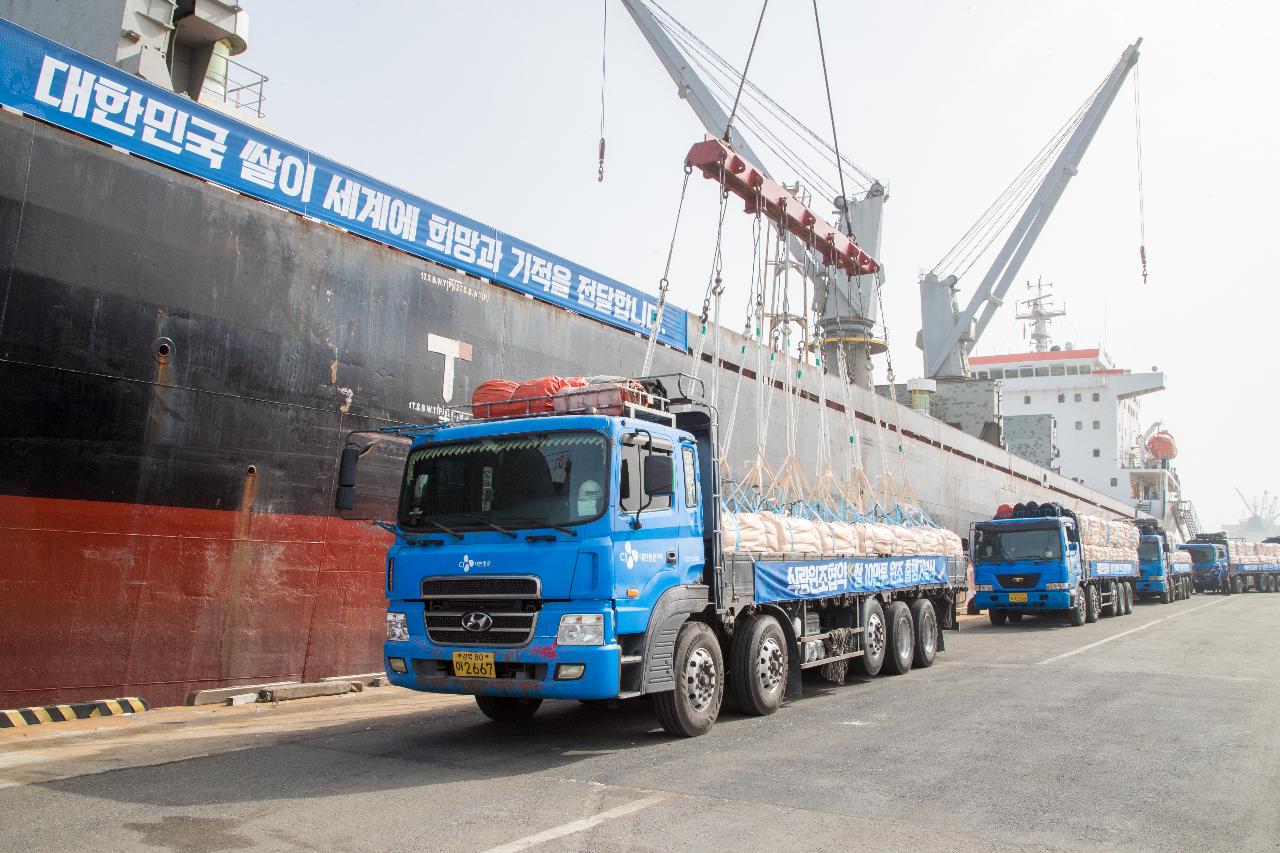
(515, 481)
(1202, 554)
(1004, 546)
(1149, 552)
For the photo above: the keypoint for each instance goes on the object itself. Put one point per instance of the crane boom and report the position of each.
(848, 305)
(991, 292)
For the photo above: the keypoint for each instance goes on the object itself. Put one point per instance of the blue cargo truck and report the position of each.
(1220, 564)
(1033, 559)
(1211, 566)
(576, 555)
(1164, 576)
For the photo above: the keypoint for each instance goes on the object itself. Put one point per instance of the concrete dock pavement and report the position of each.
(1155, 731)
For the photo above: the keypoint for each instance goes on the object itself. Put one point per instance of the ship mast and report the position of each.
(1040, 311)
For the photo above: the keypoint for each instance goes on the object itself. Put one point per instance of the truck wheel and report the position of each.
(901, 638)
(874, 640)
(925, 618)
(997, 617)
(692, 707)
(1271, 583)
(1079, 610)
(1126, 597)
(1015, 617)
(1166, 596)
(758, 666)
(1112, 609)
(508, 709)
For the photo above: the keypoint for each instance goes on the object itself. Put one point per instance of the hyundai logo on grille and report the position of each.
(1018, 579)
(477, 621)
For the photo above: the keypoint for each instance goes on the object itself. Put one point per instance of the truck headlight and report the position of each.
(581, 629)
(982, 587)
(397, 628)
(1059, 586)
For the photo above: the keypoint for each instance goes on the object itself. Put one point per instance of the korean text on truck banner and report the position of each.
(788, 580)
(66, 88)
(1112, 569)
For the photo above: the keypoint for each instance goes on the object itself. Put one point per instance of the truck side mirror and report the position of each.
(346, 496)
(659, 475)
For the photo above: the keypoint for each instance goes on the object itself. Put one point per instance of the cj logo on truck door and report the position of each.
(629, 557)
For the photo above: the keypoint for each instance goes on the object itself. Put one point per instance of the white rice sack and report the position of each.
(777, 534)
(878, 539)
(846, 540)
(952, 546)
(825, 537)
(930, 540)
(728, 531)
(751, 532)
(804, 536)
(907, 541)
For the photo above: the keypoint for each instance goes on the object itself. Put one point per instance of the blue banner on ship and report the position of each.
(788, 580)
(61, 86)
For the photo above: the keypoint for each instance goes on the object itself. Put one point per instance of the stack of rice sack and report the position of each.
(1181, 557)
(1270, 552)
(1105, 539)
(1245, 553)
(772, 533)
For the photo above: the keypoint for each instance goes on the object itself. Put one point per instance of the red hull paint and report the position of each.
(106, 599)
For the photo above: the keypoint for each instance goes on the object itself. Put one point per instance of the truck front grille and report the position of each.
(1023, 581)
(481, 611)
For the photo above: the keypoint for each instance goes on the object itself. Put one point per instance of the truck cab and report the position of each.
(1211, 569)
(1023, 565)
(535, 551)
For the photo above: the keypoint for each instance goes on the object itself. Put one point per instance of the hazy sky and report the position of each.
(493, 109)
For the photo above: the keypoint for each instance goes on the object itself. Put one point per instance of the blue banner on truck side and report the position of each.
(1113, 569)
(790, 580)
(61, 86)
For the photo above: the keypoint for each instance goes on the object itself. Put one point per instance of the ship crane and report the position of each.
(847, 304)
(948, 335)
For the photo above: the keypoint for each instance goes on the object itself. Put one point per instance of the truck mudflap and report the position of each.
(673, 609)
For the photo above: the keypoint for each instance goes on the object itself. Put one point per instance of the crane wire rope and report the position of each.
(604, 76)
(665, 283)
(745, 68)
(692, 43)
(1142, 214)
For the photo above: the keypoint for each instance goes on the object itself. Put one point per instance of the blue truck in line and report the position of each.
(1216, 569)
(1033, 560)
(1165, 577)
(576, 555)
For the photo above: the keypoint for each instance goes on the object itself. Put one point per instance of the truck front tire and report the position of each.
(508, 709)
(901, 637)
(692, 707)
(758, 666)
(997, 617)
(1079, 610)
(925, 619)
(874, 640)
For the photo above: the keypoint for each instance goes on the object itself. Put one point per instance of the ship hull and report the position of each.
(181, 364)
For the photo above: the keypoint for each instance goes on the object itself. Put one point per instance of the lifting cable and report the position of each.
(751, 52)
(665, 284)
(831, 113)
(604, 43)
(1142, 215)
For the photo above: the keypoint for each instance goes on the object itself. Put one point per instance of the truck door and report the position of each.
(652, 521)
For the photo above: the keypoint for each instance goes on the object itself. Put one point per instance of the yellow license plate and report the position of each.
(1017, 597)
(474, 665)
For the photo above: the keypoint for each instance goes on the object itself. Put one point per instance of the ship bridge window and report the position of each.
(1056, 370)
(1096, 397)
(997, 374)
(1085, 368)
(1026, 371)
(1042, 371)
(1072, 370)
(982, 374)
